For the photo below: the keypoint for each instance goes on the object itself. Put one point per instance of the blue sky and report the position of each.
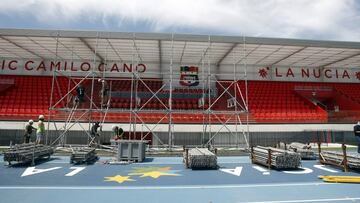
(308, 19)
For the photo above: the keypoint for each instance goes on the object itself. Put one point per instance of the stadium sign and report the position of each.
(189, 76)
(307, 73)
(43, 66)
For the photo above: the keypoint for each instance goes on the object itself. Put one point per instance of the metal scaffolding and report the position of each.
(214, 92)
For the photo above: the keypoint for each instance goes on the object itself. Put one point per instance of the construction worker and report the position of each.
(94, 129)
(28, 131)
(357, 134)
(94, 132)
(118, 132)
(80, 93)
(40, 133)
(104, 92)
(115, 131)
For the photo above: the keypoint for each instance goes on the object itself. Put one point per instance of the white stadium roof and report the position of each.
(181, 48)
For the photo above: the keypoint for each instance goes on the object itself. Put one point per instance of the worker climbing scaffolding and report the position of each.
(80, 94)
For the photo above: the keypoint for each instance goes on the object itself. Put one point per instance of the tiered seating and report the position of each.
(350, 90)
(125, 85)
(155, 104)
(269, 102)
(29, 97)
(6, 84)
(277, 101)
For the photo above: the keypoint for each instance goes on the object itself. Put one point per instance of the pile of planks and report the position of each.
(304, 150)
(83, 155)
(200, 158)
(353, 161)
(26, 153)
(277, 158)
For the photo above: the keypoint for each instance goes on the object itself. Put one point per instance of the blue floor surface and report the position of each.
(166, 180)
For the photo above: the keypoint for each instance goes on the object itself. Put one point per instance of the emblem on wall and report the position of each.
(189, 76)
(263, 72)
(357, 74)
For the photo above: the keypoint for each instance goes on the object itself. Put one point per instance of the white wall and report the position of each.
(152, 70)
(347, 75)
(199, 128)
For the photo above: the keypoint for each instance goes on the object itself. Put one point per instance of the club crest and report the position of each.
(189, 76)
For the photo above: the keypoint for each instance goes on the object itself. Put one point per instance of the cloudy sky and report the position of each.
(309, 19)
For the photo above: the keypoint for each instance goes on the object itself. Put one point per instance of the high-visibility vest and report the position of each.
(41, 127)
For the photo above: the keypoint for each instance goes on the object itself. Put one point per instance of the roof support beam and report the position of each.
(160, 56)
(343, 59)
(249, 53)
(91, 49)
(136, 49)
(288, 56)
(265, 57)
(45, 48)
(116, 52)
(182, 53)
(21, 47)
(226, 54)
(204, 54)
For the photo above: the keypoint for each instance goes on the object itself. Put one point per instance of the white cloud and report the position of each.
(327, 19)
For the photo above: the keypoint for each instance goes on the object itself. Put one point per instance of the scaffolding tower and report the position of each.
(98, 106)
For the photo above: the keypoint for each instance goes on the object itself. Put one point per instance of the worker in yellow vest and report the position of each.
(40, 133)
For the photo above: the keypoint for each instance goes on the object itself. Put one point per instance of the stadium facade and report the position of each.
(179, 89)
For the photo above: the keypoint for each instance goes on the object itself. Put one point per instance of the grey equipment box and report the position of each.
(83, 155)
(131, 150)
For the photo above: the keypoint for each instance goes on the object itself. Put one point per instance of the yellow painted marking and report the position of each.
(118, 178)
(157, 174)
(154, 172)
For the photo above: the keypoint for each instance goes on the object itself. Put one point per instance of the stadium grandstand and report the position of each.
(152, 117)
(178, 89)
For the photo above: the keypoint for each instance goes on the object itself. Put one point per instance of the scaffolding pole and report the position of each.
(210, 97)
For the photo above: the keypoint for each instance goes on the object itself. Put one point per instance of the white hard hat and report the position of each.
(31, 121)
(358, 122)
(41, 117)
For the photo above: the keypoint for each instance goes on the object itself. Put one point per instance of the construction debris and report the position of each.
(341, 179)
(304, 150)
(27, 153)
(277, 158)
(340, 159)
(83, 155)
(337, 158)
(200, 158)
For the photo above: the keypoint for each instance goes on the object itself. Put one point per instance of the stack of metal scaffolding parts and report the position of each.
(304, 150)
(340, 159)
(83, 155)
(200, 158)
(277, 158)
(341, 179)
(131, 150)
(27, 153)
